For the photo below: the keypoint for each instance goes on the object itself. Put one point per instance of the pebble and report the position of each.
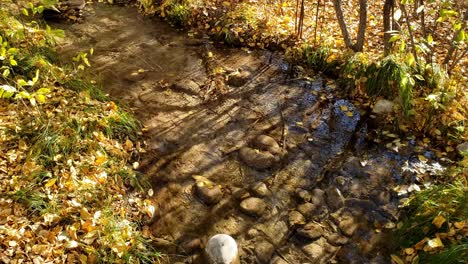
(267, 143)
(253, 206)
(264, 251)
(336, 239)
(303, 195)
(311, 230)
(383, 106)
(222, 248)
(307, 209)
(239, 79)
(256, 159)
(334, 198)
(208, 194)
(296, 218)
(348, 226)
(313, 250)
(260, 189)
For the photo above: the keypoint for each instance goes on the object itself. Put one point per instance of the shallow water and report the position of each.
(196, 124)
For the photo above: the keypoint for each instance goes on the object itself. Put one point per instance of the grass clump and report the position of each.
(436, 224)
(64, 146)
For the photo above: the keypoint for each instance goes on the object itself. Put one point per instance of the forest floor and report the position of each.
(235, 144)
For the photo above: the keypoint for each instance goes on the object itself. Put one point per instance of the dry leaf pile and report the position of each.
(66, 183)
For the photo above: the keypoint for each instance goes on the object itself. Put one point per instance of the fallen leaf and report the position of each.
(438, 221)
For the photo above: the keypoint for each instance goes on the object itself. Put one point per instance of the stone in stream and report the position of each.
(348, 226)
(334, 198)
(210, 194)
(307, 209)
(267, 143)
(303, 195)
(264, 251)
(187, 86)
(311, 230)
(257, 159)
(260, 189)
(296, 218)
(253, 206)
(336, 239)
(383, 106)
(222, 249)
(240, 78)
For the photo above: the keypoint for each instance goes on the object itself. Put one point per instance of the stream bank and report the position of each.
(236, 145)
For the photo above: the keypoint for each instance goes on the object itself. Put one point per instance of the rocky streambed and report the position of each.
(236, 145)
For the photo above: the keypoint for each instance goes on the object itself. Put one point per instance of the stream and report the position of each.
(279, 163)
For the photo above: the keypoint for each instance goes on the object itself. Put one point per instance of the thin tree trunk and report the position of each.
(316, 22)
(453, 45)
(410, 33)
(301, 20)
(342, 23)
(387, 21)
(362, 25)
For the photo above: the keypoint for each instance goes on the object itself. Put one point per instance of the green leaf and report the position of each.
(419, 77)
(461, 36)
(447, 13)
(394, 38)
(23, 94)
(13, 61)
(43, 91)
(6, 72)
(25, 12)
(430, 40)
(40, 98)
(410, 59)
(7, 91)
(21, 82)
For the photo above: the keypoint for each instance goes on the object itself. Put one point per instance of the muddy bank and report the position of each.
(236, 145)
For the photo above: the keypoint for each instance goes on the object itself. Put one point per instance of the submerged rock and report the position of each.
(260, 189)
(311, 230)
(210, 194)
(267, 143)
(383, 106)
(253, 206)
(239, 79)
(264, 251)
(256, 159)
(222, 249)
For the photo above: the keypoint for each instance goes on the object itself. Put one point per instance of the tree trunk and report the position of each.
(362, 26)
(342, 23)
(387, 21)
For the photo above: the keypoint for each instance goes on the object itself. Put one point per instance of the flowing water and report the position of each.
(321, 199)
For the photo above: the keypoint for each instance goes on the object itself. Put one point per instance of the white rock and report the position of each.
(383, 106)
(222, 249)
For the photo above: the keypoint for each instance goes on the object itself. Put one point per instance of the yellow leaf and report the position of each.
(343, 108)
(422, 158)
(438, 221)
(349, 114)
(210, 54)
(128, 145)
(50, 182)
(409, 251)
(100, 160)
(397, 259)
(435, 243)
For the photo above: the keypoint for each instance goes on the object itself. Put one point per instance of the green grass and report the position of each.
(448, 200)
(121, 125)
(451, 255)
(79, 85)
